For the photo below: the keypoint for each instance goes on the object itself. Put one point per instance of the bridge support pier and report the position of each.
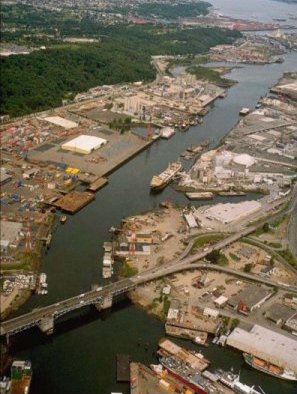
(105, 304)
(46, 325)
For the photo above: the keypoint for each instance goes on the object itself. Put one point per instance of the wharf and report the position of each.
(97, 184)
(74, 201)
(123, 367)
(232, 194)
(185, 332)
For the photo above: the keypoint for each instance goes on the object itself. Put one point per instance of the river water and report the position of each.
(260, 10)
(80, 356)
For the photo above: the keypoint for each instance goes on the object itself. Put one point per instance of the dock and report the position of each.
(74, 201)
(123, 367)
(183, 331)
(98, 184)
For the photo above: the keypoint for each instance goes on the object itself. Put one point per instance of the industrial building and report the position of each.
(84, 144)
(4, 176)
(59, 121)
(266, 344)
(291, 323)
(249, 299)
(279, 313)
(10, 232)
(227, 213)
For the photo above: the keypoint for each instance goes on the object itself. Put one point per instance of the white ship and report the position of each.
(158, 182)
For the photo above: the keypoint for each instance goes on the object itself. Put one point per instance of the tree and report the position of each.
(265, 227)
(248, 267)
(213, 257)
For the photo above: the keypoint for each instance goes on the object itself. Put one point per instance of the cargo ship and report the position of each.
(21, 375)
(269, 368)
(158, 182)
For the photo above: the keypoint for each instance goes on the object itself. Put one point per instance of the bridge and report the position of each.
(102, 297)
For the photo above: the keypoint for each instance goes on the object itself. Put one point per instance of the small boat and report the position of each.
(63, 219)
(205, 144)
(244, 111)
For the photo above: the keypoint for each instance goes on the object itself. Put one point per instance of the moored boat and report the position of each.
(232, 381)
(63, 219)
(270, 369)
(21, 375)
(158, 182)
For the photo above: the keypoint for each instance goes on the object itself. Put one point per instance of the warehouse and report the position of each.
(10, 232)
(250, 298)
(84, 144)
(266, 344)
(279, 313)
(58, 121)
(227, 213)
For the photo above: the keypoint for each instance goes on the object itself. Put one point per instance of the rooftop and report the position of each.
(278, 312)
(266, 344)
(84, 144)
(227, 213)
(251, 296)
(9, 230)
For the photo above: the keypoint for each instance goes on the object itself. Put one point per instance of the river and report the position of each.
(80, 356)
(260, 10)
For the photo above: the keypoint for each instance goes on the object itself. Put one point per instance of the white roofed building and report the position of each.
(266, 344)
(84, 144)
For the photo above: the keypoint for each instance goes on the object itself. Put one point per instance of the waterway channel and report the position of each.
(80, 356)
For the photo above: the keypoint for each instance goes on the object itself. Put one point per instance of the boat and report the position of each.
(270, 369)
(63, 219)
(186, 375)
(167, 132)
(244, 111)
(205, 144)
(21, 375)
(199, 195)
(160, 181)
(201, 339)
(232, 381)
(41, 284)
(108, 260)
